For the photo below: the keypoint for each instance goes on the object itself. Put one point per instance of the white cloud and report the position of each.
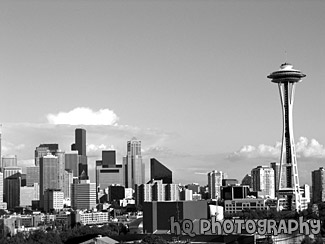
(304, 149)
(310, 149)
(84, 116)
(11, 148)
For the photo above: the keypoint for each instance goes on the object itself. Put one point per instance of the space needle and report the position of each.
(288, 185)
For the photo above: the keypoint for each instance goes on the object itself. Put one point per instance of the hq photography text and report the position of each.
(241, 226)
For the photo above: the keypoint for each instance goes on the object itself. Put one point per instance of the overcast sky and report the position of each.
(187, 78)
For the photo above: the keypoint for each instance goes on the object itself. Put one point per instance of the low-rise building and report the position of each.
(89, 218)
(238, 205)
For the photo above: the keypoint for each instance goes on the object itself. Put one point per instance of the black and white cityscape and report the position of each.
(162, 122)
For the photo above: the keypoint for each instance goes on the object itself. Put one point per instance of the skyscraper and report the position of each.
(158, 171)
(53, 200)
(286, 78)
(107, 171)
(68, 181)
(15, 172)
(12, 190)
(276, 167)
(32, 175)
(109, 159)
(72, 162)
(9, 161)
(80, 141)
(109, 176)
(80, 146)
(48, 175)
(134, 168)
(83, 195)
(156, 190)
(61, 169)
(263, 181)
(214, 183)
(318, 185)
(43, 150)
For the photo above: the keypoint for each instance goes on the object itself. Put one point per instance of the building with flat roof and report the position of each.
(157, 215)
(156, 190)
(28, 194)
(90, 218)
(9, 161)
(83, 195)
(45, 149)
(263, 181)
(49, 169)
(214, 183)
(318, 185)
(53, 200)
(72, 160)
(32, 175)
(12, 191)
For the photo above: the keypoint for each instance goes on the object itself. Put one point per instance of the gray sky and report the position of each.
(188, 78)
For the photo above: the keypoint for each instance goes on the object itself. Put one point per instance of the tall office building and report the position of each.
(214, 183)
(286, 79)
(108, 172)
(61, 169)
(134, 168)
(45, 149)
(83, 195)
(276, 167)
(48, 175)
(28, 194)
(318, 185)
(156, 190)
(109, 159)
(72, 160)
(80, 141)
(172, 191)
(32, 175)
(80, 147)
(83, 164)
(109, 176)
(68, 181)
(53, 200)
(158, 171)
(7, 172)
(263, 181)
(12, 190)
(9, 161)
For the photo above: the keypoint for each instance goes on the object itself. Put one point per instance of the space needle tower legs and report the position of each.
(288, 187)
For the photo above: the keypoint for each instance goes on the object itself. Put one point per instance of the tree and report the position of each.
(153, 239)
(306, 240)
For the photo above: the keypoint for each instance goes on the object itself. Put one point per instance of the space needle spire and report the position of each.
(288, 189)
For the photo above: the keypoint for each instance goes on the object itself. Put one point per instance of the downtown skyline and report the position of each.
(186, 78)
